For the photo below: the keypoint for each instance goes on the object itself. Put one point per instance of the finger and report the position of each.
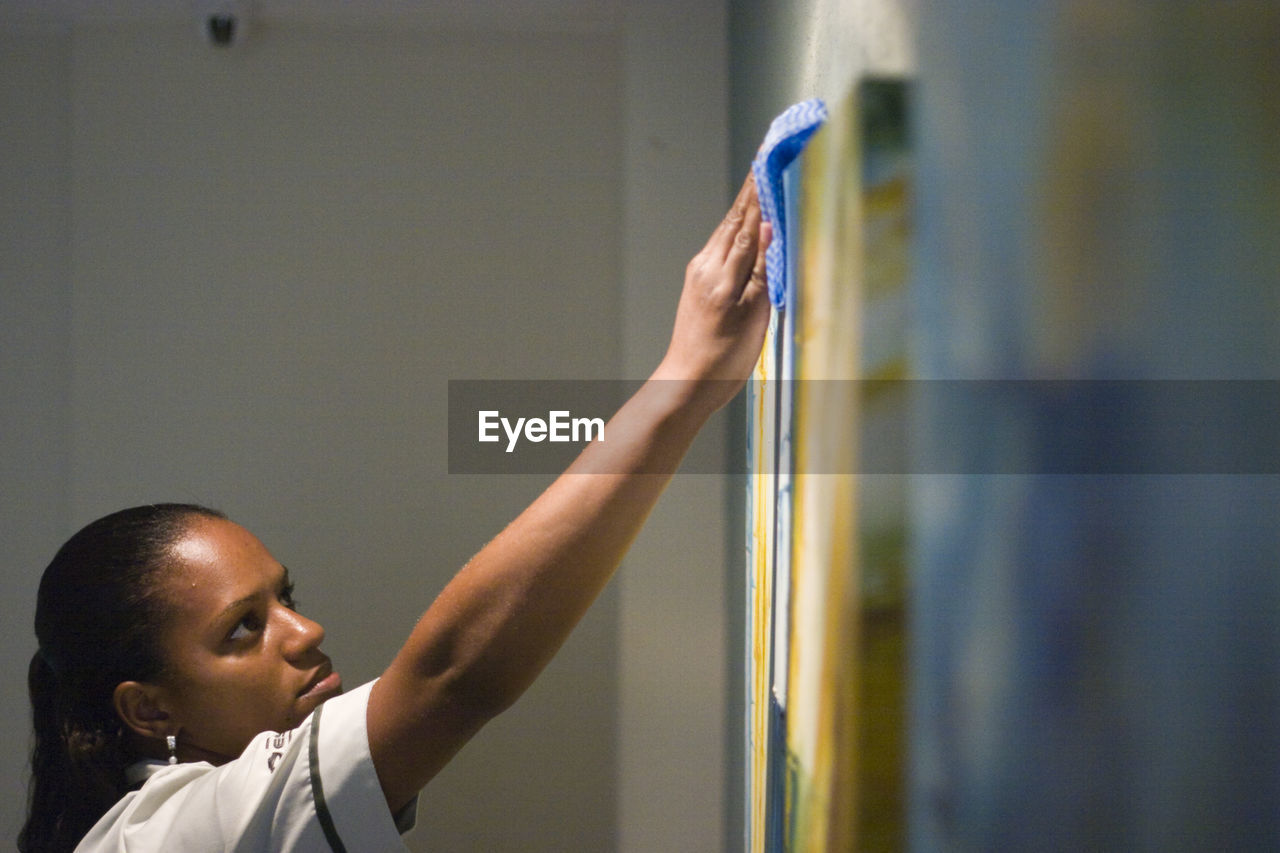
(722, 239)
(745, 249)
(759, 279)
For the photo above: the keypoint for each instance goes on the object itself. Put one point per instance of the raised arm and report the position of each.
(506, 613)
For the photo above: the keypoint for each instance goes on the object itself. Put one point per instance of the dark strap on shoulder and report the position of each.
(317, 788)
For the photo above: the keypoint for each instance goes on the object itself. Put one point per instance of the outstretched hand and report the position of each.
(724, 307)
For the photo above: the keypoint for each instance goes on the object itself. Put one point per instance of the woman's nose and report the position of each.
(302, 634)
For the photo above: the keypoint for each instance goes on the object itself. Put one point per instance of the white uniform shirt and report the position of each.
(310, 789)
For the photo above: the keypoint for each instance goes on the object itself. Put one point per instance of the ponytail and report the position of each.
(46, 798)
(73, 767)
(98, 619)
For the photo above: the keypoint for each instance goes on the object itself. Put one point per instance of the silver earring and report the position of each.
(172, 742)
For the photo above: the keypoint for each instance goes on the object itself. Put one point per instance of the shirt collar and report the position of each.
(140, 771)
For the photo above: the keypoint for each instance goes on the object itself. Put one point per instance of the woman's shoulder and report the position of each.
(286, 791)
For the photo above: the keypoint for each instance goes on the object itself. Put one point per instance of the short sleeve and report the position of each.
(348, 797)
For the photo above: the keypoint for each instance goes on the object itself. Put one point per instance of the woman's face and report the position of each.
(240, 660)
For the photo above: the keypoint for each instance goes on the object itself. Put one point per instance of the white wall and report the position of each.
(243, 277)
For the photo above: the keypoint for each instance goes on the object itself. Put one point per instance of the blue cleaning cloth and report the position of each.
(783, 143)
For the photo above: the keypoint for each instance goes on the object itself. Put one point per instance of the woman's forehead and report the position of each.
(212, 539)
(221, 557)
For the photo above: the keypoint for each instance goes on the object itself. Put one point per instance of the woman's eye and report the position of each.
(246, 627)
(286, 597)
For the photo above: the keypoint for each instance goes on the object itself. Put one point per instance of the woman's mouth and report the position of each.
(325, 685)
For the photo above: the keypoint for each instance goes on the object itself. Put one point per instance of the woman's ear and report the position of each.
(141, 707)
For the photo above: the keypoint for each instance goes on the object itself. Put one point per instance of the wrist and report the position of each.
(703, 396)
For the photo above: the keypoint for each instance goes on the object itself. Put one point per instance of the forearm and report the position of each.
(502, 618)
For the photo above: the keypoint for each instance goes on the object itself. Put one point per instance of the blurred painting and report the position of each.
(827, 569)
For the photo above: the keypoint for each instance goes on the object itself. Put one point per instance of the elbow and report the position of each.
(465, 693)
(479, 694)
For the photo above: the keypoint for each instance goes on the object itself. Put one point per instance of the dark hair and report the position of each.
(99, 613)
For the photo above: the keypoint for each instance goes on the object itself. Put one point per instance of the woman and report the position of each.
(177, 695)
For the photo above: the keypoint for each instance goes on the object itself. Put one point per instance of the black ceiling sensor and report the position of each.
(222, 29)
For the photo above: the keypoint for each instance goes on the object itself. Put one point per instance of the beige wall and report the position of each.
(35, 364)
(243, 278)
(672, 725)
